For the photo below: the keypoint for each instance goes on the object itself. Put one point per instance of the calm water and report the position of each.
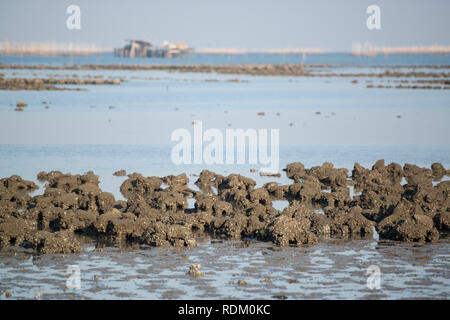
(152, 160)
(150, 105)
(80, 132)
(252, 58)
(332, 269)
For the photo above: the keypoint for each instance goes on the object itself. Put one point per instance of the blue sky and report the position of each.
(245, 24)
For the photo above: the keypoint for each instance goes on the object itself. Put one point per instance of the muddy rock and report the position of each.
(123, 227)
(14, 192)
(438, 171)
(260, 196)
(258, 219)
(169, 201)
(48, 217)
(222, 209)
(44, 242)
(421, 179)
(105, 202)
(14, 231)
(296, 168)
(320, 224)
(104, 222)
(276, 191)
(201, 221)
(380, 175)
(411, 170)
(206, 181)
(338, 198)
(176, 182)
(379, 165)
(47, 84)
(379, 201)
(120, 173)
(238, 198)
(74, 220)
(430, 199)
(297, 210)
(234, 181)
(120, 205)
(442, 221)
(65, 200)
(232, 227)
(408, 223)
(359, 172)
(139, 207)
(88, 189)
(15, 184)
(194, 271)
(156, 211)
(329, 176)
(138, 184)
(371, 180)
(349, 223)
(160, 234)
(305, 192)
(392, 173)
(205, 202)
(286, 231)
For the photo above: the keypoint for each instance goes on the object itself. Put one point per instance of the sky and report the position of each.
(330, 25)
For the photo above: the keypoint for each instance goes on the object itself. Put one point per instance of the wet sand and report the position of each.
(261, 69)
(50, 83)
(333, 269)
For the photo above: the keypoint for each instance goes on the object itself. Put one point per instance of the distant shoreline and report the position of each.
(259, 51)
(248, 69)
(229, 52)
(358, 49)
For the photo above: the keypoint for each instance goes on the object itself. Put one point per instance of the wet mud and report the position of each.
(332, 269)
(256, 69)
(50, 83)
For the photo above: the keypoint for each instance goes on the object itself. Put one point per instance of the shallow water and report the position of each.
(79, 133)
(307, 111)
(252, 58)
(333, 269)
(154, 160)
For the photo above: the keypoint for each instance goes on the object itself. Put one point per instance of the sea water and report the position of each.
(128, 126)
